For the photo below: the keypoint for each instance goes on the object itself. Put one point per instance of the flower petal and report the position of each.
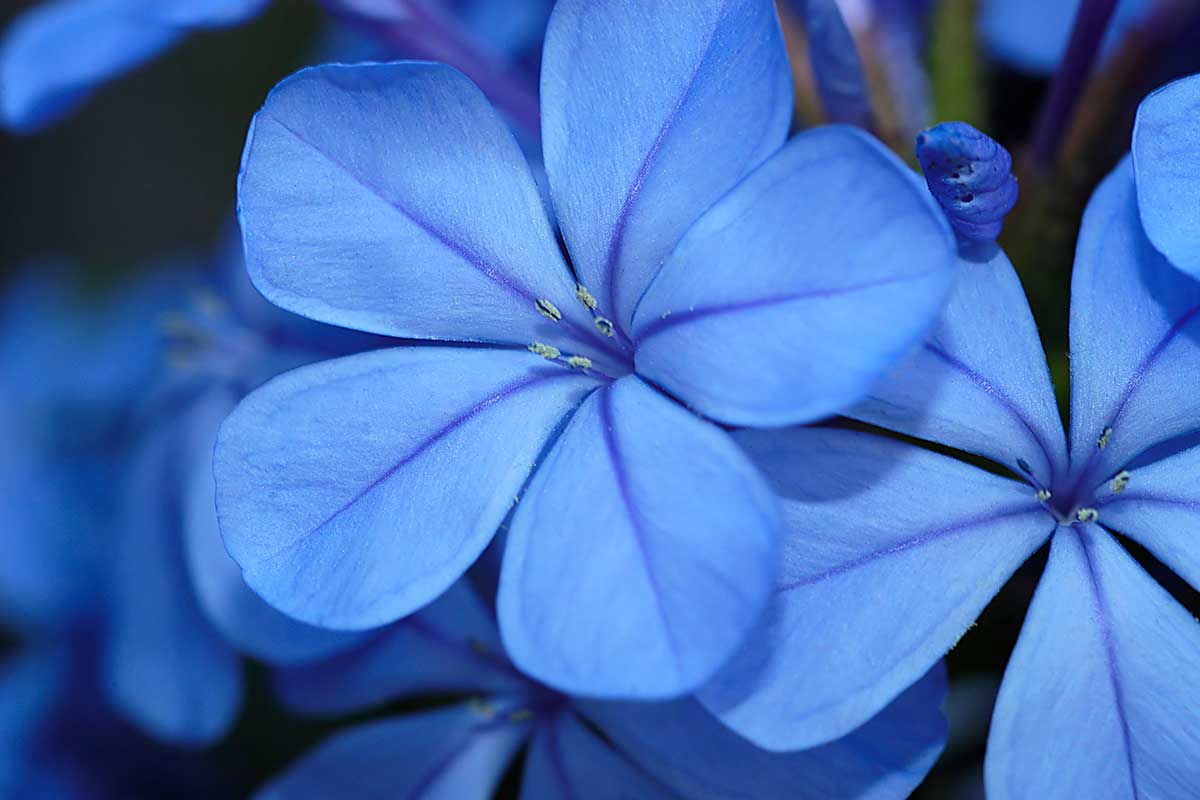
(697, 756)
(1166, 166)
(647, 119)
(1101, 697)
(451, 754)
(165, 666)
(900, 545)
(979, 381)
(640, 497)
(1032, 36)
(390, 198)
(243, 618)
(354, 491)
(1135, 328)
(786, 301)
(450, 646)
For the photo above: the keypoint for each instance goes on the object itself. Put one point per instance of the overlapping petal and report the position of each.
(1135, 329)
(354, 491)
(819, 271)
(979, 381)
(865, 603)
(1166, 167)
(657, 540)
(452, 754)
(647, 118)
(1102, 695)
(390, 198)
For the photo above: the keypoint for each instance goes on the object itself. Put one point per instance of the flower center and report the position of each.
(603, 350)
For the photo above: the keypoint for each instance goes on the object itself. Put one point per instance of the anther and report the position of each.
(1087, 515)
(546, 351)
(548, 310)
(520, 715)
(1120, 481)
(481, 707)
(585, 296)
(1105, 438)
(605, 326)
(1043, 495)
(579, 362)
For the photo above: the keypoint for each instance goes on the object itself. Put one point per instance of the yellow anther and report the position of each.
(1087, 515)
(548, 310)
(481, 707)
(1043, 495)
(545, 350)
(208, 302)
(605, 326)
(520, 715)
(1105, 438)
(1120, 481)
(579, 362)
(585, 296)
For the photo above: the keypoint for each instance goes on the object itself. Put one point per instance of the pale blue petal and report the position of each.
(450, 646)
(453, 754)
(1101, 697)
(891, 553)
(352, 492)
(1032, 35)
(1135, 329)
(697, 756)
(242, 617)
(979, 382)
(791, 296)
(165, 666)
(390, 198)
(836, 67)
(641, 552)
(55, 54)
(1166, 166)
(647, 118)
(567, 761)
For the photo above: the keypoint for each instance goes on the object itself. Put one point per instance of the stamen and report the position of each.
(481, 707)
(605, 326)
(520, 715)
(1105, 438)
(1087, 515)
(1120, 481)
(579, 362)
(547, 351)
(1043, 495)
(548, 310)
(585, 296)
(1024, 465)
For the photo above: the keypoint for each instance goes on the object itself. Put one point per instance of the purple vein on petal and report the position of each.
(909, 544)
(1110, 660)
(1147, 497)
(673, 319)
(635, 519)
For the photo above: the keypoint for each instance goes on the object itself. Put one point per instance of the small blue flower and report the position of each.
(1032, 35)
(904, 546)
(718, 274)
(970, 175)
(574, 747)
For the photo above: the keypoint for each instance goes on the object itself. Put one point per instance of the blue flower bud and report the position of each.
(970, 175)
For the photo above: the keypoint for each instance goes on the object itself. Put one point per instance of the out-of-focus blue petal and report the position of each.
(451, 645)
(1166, 166)
(979, 382)
(567, 761)
(390, 198)
(794, 292)
(453, 754)
(30, 684)
(647, 118)
(55, 54)
(242, 617)
(1032, 35)
(970, 175)
(697, 756)
(641, 552)
(1135, 329)
(165, 667)
(891, 553)
(841, 80)
(1101, 697)
(352, 492)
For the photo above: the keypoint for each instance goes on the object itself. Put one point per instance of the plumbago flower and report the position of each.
(56, 54)
(1032, 35)
(574, 748)
(389, 198)
(904, 546)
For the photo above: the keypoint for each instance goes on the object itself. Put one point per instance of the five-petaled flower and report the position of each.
(717, 274)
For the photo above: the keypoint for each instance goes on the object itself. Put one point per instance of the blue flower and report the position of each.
(904, 547)
(970, 175)
(1032, 35)
(389, 198)
(573, 747)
